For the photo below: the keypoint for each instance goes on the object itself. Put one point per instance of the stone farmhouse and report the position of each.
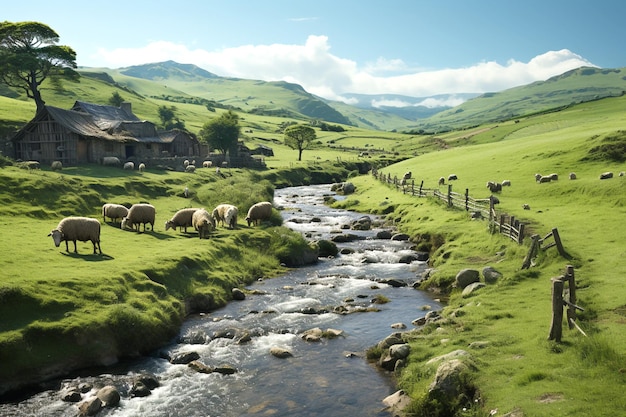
(88, 132)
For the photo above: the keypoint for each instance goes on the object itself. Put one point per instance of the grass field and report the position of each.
(519, 370)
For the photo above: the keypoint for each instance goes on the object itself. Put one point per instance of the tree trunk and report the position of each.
(299, 154)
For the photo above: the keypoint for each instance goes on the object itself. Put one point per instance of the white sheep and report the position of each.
(186, 163)
(544, 178)
(606, 175)
(190, 168)
(231, 217)
(452, 177)
(220, 214)
(538, 177)
(442, 181)
(129, 165)
(182, 218)
(141, 167)
(258, 212)
(56, 165)
(506, 183)
(113, 211)
(207, 164)
(407, 175)
(554, 177)
(77, 228)
(572, 175)
(203, 222)
(139, 214)
(111, 161)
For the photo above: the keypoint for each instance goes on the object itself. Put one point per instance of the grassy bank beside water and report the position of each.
(63, 311)
(517, 369)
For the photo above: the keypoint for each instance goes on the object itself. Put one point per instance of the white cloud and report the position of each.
(313, 66)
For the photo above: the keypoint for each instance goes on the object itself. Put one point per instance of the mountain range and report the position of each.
(174, 82)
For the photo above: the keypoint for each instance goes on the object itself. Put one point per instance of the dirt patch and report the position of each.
(551, 397)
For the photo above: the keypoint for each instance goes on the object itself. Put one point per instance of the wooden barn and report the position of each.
(88, 132)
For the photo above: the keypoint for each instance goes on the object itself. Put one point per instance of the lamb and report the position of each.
(207, 164)
(186, 163)
(142, 167)
(129, 166)
(56, 165)
(258, 212)
(203, 222)
(113, 211)
(111, 161)
(182, 218)
(572, 175)
(190, 168)
(77, 228)
(220, 214)
(139, 214)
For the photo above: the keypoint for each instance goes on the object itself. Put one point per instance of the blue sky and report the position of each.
(412, 47)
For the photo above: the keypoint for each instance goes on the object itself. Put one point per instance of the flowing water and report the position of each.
(326, 378)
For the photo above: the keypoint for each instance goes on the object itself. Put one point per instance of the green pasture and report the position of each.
(519, 370)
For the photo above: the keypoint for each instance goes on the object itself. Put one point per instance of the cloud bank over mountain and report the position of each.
(320, 72)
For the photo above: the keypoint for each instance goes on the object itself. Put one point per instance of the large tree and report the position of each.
(299, 137)
(222, 133)
(29, 54)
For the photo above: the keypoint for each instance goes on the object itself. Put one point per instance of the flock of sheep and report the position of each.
(83, 229)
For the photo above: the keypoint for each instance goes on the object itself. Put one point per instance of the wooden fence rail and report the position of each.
(481, 208)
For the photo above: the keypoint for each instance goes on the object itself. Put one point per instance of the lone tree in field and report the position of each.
(299, 137)
(29, 54)
(222, 133)
(168, 118)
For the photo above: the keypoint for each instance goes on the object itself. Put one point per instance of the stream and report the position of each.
(330, 377)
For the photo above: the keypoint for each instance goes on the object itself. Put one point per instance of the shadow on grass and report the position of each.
(92, 257)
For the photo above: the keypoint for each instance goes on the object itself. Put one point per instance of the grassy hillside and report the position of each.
(518, 370)
(576, 86)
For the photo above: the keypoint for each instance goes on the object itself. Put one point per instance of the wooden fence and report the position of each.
(506, 225)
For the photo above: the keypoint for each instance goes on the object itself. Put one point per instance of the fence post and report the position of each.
(556, 327)
(511, 226)
(413, 187)
(421, 186)
(559, 245)
(467, 199)
(449, 195)
(520, 235)
(532, 252)
(502, 220)
(571, 310)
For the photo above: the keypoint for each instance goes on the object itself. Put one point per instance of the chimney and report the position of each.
(127, 107)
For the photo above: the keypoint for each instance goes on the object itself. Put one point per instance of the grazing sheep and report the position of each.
(258, 212)
(182, 218)
(572, 175)
(442, 181)
(111, 161)
(139, 214)
(56, 166)
(203, 222)
(407, 175)
(77, 228)
(606, 175)
(506, 183)
(621, 174)
(231, 217)
(554, 177)
(141, 167)
(207, 164)
(220, 213)
(494, 187)
(186, 163)
(538, 177)
(129, 166)
(526, 207)
(186, 192)
(544, 178)
(190, 168)
(452, 177)
(113, 211)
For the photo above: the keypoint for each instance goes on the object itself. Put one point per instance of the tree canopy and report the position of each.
(222, 133)
(299, 137)
(29, 54)
(168, 118)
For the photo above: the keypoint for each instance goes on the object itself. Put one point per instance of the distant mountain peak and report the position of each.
(168, 70)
